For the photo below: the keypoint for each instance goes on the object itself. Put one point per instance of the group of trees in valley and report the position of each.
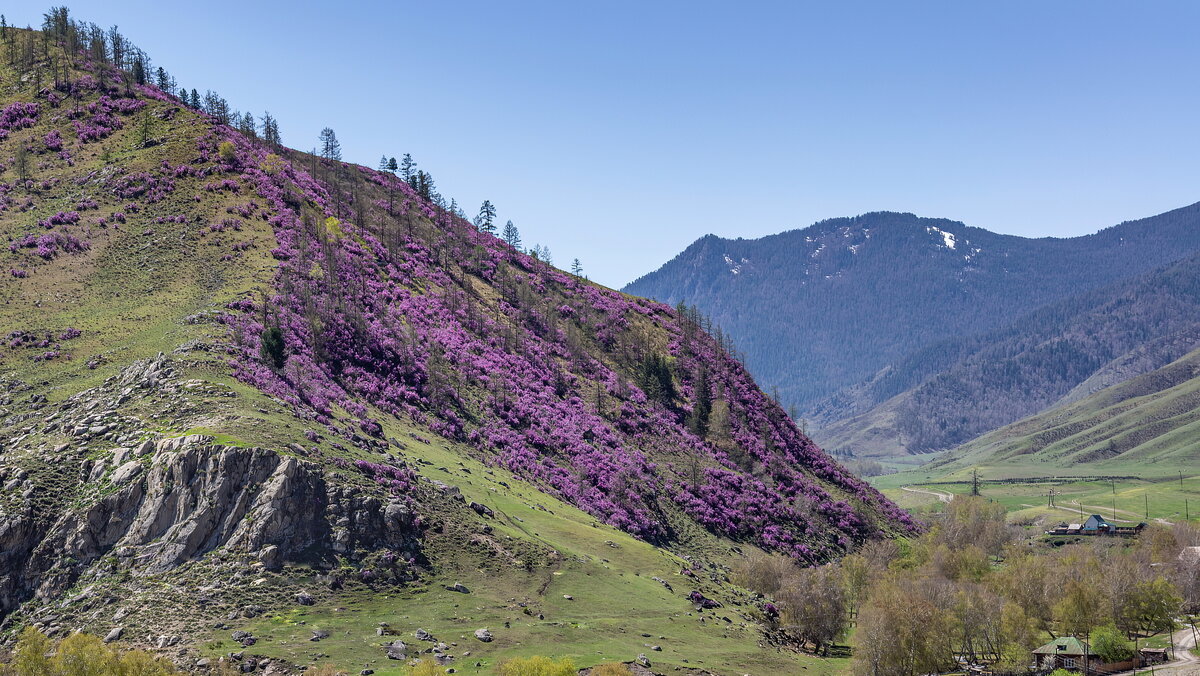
(978, 589)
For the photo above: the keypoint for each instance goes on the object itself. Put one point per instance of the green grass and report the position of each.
(607, 572)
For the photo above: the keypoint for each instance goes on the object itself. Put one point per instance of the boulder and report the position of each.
(483, 635)
(114, 634)
(396, 650)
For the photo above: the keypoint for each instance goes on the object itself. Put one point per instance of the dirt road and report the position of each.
(1185, 664)
(944, 497)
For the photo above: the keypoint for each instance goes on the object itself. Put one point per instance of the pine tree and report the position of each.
(391, 165)
(246, 125)
(162, 80)
(576, 268)
(331, 149)
(139, 71)
(423, 184)
(512, 235)
(195, 100)
(270, 129)
(486, 220)
(406, 169)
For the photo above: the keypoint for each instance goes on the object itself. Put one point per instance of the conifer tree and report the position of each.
(512, 235)
(246, 125)
(486, 220)
(406, 169)
(270, 129)
(383, 165)
(576, 267)
(331, 149)
(391, 165)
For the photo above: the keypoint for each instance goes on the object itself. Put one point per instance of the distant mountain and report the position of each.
(950, 392)
(848, 313)
(1150, 422)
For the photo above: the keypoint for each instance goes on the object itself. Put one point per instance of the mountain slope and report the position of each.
(250, 389)
(1151, 422)
(953, 391)
(826, 307)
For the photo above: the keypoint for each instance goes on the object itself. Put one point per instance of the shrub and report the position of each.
(611, 669)
(272, 346)
(80, 655)
(537, 666)
(426, 668)
(227, 151)
(1110, 645)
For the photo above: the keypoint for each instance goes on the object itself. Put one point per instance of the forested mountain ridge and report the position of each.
(952, 391)
(827, 306)
(848, 313)
(241, 380)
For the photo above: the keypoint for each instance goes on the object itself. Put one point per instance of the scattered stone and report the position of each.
(483, 635)
(305, 599)
(423, 635)
(568, 597)
(396, 650)
(458, 587)
(114, 634)
(643, 660)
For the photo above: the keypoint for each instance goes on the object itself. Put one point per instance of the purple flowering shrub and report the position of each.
(540, 374)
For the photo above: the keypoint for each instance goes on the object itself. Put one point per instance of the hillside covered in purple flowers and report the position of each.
(390, 306)
(220, 354)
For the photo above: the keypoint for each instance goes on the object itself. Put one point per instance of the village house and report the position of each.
(1068, 652)
(1095, 525)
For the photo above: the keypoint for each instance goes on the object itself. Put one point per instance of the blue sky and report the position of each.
(619, 132)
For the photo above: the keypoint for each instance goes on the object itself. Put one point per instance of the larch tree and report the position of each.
(270, 129)
(486, 220)
(406, 169)
(512, 235)
(331, 149)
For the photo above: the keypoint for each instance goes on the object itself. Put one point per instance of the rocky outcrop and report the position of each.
(150, 508)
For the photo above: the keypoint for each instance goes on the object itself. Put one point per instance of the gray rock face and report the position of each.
(114, 634)
(170, 501)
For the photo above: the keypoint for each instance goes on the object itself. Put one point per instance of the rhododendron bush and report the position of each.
(394, 303)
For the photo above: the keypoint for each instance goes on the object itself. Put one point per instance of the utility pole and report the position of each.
(1147, 497)
(975, 482)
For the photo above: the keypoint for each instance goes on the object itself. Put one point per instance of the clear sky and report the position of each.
(619, 132)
